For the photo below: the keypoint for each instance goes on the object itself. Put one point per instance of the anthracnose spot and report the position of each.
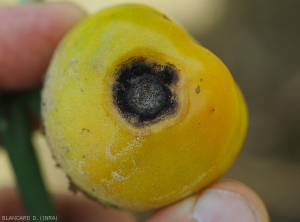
(144, 91)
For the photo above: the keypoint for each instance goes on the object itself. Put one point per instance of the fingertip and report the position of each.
(78, 209)
(28, 36)
(224, 201)
(69, 208)
(247, 193)
(10, 204)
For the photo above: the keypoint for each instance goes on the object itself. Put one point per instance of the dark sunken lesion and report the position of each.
(144, 91)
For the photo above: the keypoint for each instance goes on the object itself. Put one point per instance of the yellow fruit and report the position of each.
(138, 114)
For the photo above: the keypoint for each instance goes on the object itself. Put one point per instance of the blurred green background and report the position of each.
(259, 41)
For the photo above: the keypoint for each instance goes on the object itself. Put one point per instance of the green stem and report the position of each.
(16, 136)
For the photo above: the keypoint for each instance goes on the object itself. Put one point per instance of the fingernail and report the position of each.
(224, 206)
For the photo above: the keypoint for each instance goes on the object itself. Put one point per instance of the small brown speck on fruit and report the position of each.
(72, 187)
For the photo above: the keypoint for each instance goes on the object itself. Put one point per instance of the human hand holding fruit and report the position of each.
(221, 185)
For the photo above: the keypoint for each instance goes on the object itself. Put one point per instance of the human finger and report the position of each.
(28, 36)
(224, 201)
(69, 208)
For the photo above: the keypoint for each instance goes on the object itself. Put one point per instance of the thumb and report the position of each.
(225, 201)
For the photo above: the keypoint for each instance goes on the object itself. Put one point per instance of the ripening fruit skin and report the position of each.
(96, 127)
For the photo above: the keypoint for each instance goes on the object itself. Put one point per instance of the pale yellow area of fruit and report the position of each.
(133, 168)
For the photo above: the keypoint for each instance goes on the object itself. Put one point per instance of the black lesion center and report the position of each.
(147, 95)
(144, 92)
